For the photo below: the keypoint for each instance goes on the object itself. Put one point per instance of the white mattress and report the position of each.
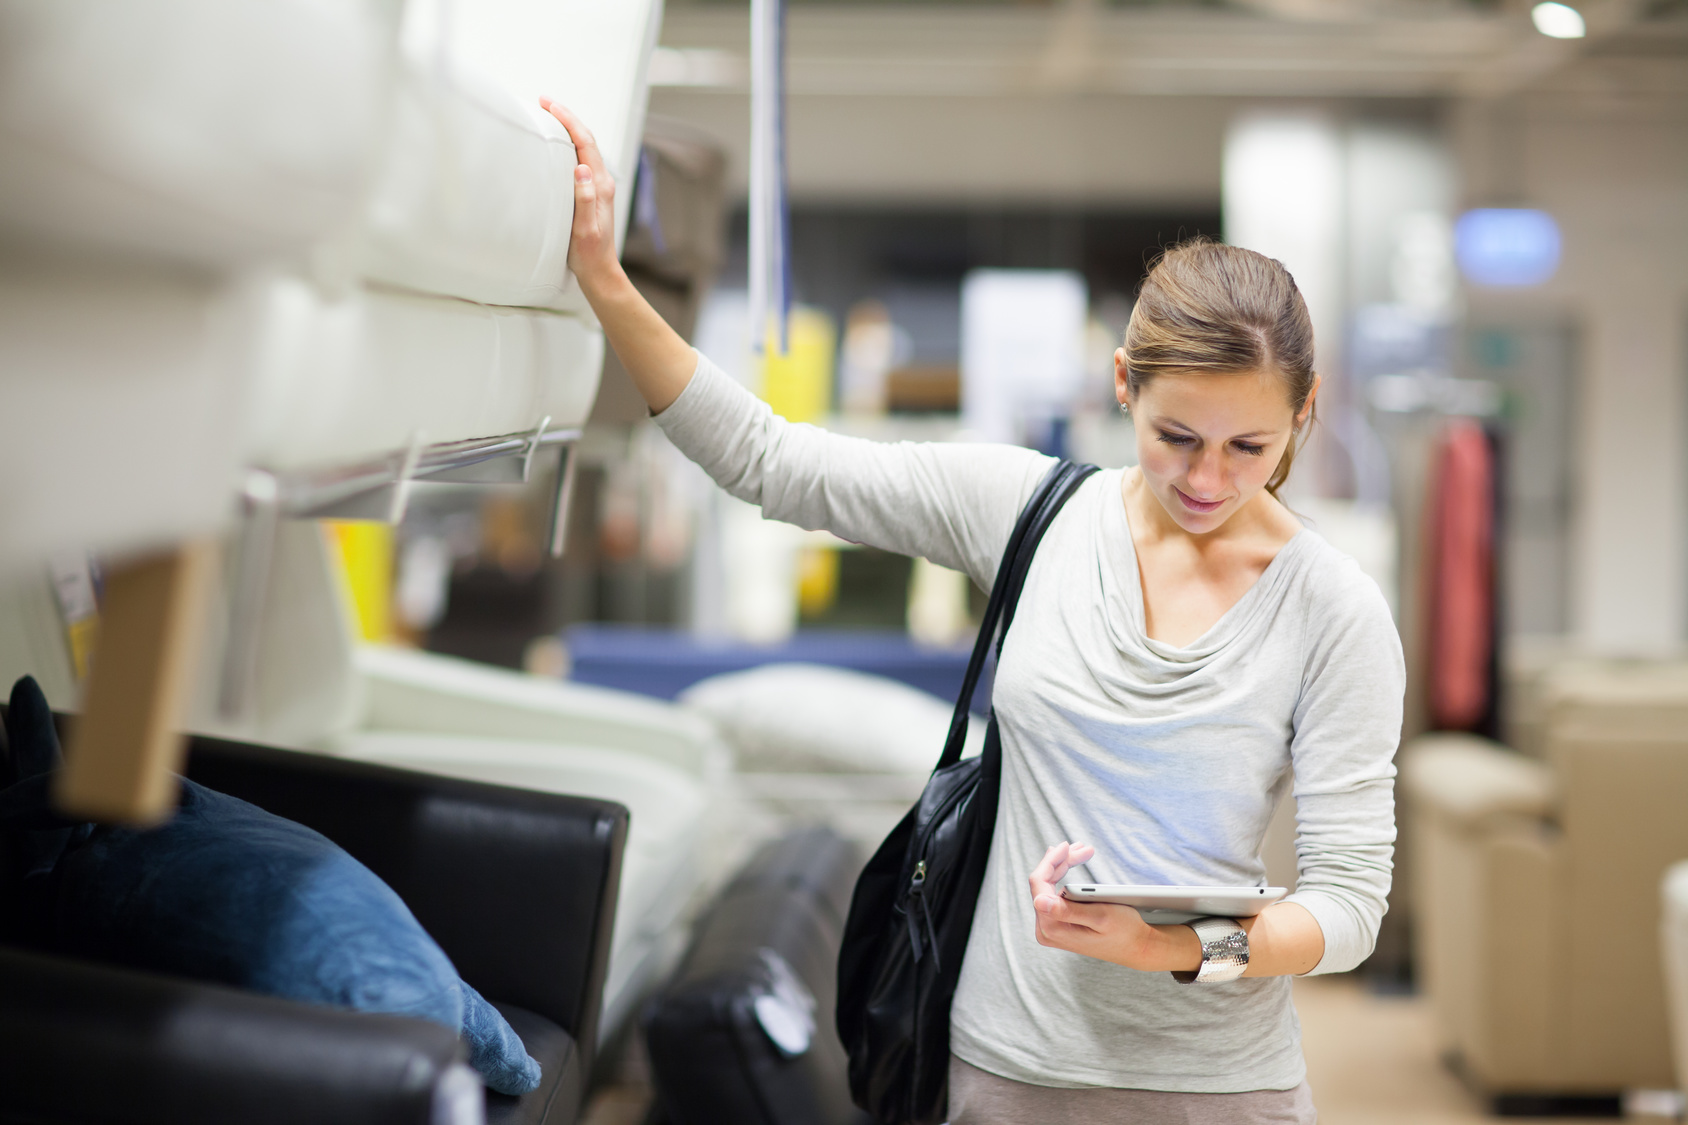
(435, 713)
(662, 875)
(404, 689)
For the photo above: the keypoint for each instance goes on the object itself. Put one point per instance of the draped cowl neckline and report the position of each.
(1128, 618)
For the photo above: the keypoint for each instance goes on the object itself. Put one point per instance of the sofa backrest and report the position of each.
(519, 888)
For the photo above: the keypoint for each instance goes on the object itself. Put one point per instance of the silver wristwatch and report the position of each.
(1224, 952)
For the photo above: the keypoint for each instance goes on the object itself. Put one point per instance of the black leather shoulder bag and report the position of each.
(913, 907)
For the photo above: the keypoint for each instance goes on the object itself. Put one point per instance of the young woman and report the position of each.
(1184, 652)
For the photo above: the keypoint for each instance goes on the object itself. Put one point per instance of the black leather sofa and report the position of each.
(519, 889)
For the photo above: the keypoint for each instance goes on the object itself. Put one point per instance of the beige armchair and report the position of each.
(1673, 943)
(1538, 884)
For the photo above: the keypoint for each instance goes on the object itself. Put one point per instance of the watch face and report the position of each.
(1224, 949)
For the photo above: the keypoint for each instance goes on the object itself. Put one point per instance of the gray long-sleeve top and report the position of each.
(1169, 760)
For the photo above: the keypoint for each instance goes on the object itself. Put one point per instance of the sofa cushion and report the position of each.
(557, 1097)
(1471, 779)
(228, 893)
(795, 717)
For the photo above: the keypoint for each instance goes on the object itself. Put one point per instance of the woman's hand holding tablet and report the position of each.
(1087, 918)
(1100, 929)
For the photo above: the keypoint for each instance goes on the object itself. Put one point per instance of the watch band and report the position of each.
(1224, 952)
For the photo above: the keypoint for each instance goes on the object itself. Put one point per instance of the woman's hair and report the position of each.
(1210, 307)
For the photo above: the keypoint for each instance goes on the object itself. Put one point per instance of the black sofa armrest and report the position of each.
(85, 1042)
(518, 887)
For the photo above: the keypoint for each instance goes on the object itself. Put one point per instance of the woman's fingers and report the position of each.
(592, 234)
(1087, 915)
(1065, 857)
(585, 144)
(585, 151)
(1056, 862)
(1066, 925)
(588, 227)
(1061, 923)
(585, 196)
(1049, 870)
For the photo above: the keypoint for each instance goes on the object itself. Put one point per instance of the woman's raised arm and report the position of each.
(660, 362)
(952, 503)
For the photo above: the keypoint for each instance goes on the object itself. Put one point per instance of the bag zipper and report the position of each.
(915, 898)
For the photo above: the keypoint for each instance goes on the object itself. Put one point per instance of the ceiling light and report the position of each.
(1561, 21)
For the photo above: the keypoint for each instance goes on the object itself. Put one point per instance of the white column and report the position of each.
(1283, 196)
(1628, 592)
(1284, 176)
(1616, 184)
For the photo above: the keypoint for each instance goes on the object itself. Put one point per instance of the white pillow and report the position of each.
(814, 718)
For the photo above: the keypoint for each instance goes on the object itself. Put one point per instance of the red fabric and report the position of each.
(1461, 576)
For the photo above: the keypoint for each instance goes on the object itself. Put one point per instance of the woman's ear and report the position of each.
(1122, 373)
(1307, 407)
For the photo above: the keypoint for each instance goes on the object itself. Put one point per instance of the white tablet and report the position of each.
(1168, 906)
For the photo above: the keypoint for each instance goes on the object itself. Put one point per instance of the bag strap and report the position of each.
(1052, 492)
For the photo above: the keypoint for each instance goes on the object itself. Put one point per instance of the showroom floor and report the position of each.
(1371, 1060)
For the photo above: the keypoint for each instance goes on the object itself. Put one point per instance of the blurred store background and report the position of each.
(1485, 203)
(1487, 208)
(1488, 223)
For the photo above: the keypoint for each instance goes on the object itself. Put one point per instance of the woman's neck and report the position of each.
(1191, 581)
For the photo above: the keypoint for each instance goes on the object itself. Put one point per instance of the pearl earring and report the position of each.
(1125, 410)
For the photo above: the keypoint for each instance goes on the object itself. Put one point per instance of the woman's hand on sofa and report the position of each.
(592, 254)
(660, 362)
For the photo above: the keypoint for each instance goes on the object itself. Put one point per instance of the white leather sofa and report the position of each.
(144, 190)
(299, 239)
(284, 235)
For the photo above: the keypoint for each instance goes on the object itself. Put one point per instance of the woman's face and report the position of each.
(1208, 443)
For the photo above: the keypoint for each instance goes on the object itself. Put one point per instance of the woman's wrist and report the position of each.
(657, 358)
(604, 282)
(1176, 949)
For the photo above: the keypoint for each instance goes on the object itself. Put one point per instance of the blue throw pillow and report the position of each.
(229, 893)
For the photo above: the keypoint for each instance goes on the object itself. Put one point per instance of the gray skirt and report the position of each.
(977, 1097)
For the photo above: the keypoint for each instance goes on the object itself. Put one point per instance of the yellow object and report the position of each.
(937, 605)
(82, 636)
(365, 550)
(79, 610)
(817, 580)
(798, 385)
